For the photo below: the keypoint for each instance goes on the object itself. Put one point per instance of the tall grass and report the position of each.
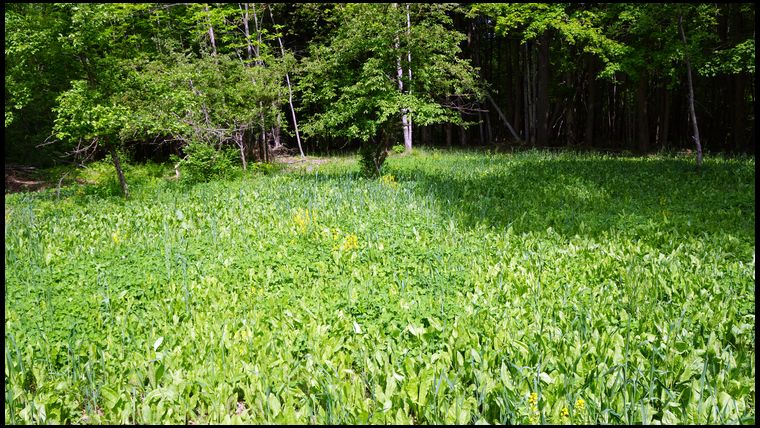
(617, 290)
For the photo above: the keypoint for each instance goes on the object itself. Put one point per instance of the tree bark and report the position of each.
(406, 123)
(739, 114)
(517, 84)
(290, 92)
(211, 32)
(665, 132)
(247, 33)
(258, 36)
(528, 97)
(503, 118)
(570, 111)
(542, 102)
(408, 130)
(448, 135)
(588, 134)
(489, 133)
(276, 132)
(426, 135)
(119, 171)
(241, 145)
(692, 112)
(642, 120)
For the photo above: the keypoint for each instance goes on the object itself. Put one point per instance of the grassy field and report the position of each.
(461, 287)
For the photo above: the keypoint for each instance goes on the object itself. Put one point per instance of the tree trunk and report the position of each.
(641, 114)
(119, 172)
(426, 135)
(665, 131)
(588, 134)
(276, 131)
(739, 115)
(211, 32)
(290, 92)
(408, 129)
(570, 111)
(406, 124)
(692, 112)
(241, 145)
(503, 118)
(528, 98)
(247, 33)
(517, 84)
(258, 36)
(542, 102)
(489, 134)
(448, 135)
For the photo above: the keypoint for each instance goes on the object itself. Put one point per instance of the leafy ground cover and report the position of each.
(460, 287)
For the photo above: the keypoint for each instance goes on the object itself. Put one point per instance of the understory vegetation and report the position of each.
(460, 287)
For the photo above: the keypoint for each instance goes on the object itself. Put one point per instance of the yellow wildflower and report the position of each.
(301, 218)
(564, 412)
(533, 400)
(389, 180)
(350, 242)
(580, 404)
(115, 237)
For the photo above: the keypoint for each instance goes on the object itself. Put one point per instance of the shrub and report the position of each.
(371, 159)
(203, 162)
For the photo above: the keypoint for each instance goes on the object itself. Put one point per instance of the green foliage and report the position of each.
(398, 149)
(581, 26)
(37, 69)
(265, 168)
(204, 163)
(733, 60)
(461, 288)
(371, 158)
(350, 83)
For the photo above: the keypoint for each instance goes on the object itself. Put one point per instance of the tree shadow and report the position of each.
(589, 195)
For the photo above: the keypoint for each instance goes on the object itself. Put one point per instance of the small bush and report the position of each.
(203, 162)
(398, 149)
(264, 168)
(371, 159)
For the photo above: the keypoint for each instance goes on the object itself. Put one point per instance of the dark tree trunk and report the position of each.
(519, 104)
(119, 171)
(448, 135)
(692, 111)
(665, 131)
(642, 119)
(570, 111)
(489, 134)
(588, 135)
(480, 128)
(739, 114)
(542, 95)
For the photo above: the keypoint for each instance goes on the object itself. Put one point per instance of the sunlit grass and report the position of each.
(462, 287)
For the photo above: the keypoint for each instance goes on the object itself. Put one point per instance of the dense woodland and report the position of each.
(150, 80)
(249, 213)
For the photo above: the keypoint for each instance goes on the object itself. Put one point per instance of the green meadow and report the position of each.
(461, 287)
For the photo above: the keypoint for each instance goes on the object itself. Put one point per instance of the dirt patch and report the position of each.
(293, 163)
(20, 178)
